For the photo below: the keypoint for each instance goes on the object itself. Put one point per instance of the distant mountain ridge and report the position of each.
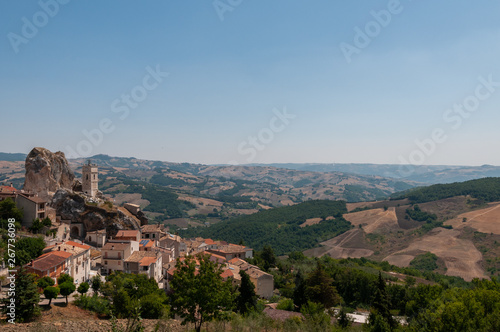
(12, 156)
(425, 174)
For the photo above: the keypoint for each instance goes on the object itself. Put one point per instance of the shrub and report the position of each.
(45, 282)
(50, 293)
(95, 304)
(286, 304)
(83, 288)
(152, 307)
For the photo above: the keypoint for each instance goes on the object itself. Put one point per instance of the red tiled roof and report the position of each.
(127, 233)
(116, 246)
(47, 262)
(79, 245)
(64, 254)
(217, 258)
(146, 261)
(4, 189)
(227, 274)
(209, 241)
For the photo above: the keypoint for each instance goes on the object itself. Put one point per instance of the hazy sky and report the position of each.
(253, 81)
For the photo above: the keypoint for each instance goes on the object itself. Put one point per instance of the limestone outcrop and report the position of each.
(71, 207)
(47, 172)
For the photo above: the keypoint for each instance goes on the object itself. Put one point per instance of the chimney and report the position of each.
(11, 185)
(59, 248)
(112, 247)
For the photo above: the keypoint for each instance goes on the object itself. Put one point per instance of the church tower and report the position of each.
(89, 179)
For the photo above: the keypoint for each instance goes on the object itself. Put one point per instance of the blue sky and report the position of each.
(229, 78)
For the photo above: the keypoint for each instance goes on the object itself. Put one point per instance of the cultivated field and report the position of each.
(375, 220)
(350, 244)
(485, 220)
(460, 256)
(314, 221)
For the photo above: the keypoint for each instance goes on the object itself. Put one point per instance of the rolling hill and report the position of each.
(281, 227)
(428, 174)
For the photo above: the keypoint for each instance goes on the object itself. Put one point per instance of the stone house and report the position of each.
(115, 253)
(231, 251)
(264, 282)
(33, 207)
(152, 232)
(80, 259)
(96, 238)
(51, 264)
(145, 262)
(128, 235)
(172, 242)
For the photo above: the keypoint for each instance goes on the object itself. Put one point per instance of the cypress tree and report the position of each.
(26, 297)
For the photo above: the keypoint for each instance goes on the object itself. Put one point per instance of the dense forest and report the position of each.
(486, 189)
(281, 227)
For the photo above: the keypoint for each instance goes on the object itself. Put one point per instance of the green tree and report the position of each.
(96, 283)
(200, 295)
(25, 298)
(44, 282)
(381, 305)
(63, 278)
(247, 299)
(343, 320)
(316, 318)
(36, 226)
(83, 288)
(50, 293)
(152, 306)
(28, 248)
(47, 222)
(9, 210)
(299, 295)
(268, 257)
(319, 288)
(285, 304)
(122, 304)
(67, 288)
(132, 294)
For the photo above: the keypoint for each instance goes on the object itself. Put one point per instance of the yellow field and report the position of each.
(485, 220)
(461, 257)
(375, 220)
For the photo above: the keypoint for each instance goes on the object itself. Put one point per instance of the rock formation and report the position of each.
(46, 172)
(71, 206)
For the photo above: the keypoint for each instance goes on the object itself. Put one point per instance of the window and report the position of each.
(119, 263)
(87, 177)
(105, 262)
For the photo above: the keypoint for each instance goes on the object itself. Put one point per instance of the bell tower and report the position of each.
(90, 179)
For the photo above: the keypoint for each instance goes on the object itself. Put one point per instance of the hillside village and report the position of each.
(150, 249)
